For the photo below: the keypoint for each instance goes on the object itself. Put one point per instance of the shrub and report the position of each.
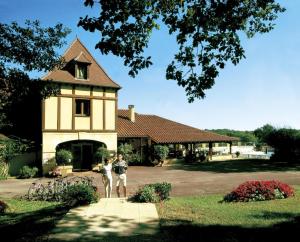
(162, 189)
(101, 154)
(79, 194)
(134, 159)
(126, 150)
(161, 152)
(152, 193)
(259, 191)
(3, 207)
(28, 172)
(146, 194)
(237, 154)
(56, 189)
(63, 157)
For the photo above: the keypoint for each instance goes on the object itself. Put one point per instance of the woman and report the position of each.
(107, 178)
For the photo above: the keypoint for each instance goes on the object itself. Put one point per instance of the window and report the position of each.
(82, 107)
(81, 71)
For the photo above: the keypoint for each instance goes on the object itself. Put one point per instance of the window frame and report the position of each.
(77, 68)
(82, 107)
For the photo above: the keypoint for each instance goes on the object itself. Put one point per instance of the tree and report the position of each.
(207, 33)
(263, 132)
(24, 49)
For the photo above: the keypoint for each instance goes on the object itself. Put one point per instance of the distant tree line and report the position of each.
(285, 141)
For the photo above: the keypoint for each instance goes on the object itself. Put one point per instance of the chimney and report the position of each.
(131, 113)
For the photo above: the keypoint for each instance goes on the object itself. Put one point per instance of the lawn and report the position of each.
(29, 220)
(205, 218)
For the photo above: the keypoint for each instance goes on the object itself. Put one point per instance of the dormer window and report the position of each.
(81, 71)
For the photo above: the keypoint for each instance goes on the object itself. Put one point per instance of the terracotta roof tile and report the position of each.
(78, 52)
(162, 130)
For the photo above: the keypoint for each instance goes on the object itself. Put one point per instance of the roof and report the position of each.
(78, 52)
(162, 130)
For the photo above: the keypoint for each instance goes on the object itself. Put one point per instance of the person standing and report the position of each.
(120, 168)
(107, 178)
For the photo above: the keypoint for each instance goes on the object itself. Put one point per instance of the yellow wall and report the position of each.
(51, 113)
(97, 92)
(65, 113)
(66, 89)
(110, 93)
(82, 91)
(97, 114)
(51, 140)
(82, 123)
(110, 115)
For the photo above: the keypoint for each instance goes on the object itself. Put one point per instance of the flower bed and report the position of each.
(259, 191)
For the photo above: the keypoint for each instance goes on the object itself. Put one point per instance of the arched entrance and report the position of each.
(83, 152)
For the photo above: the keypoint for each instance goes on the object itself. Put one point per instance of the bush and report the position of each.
(63, 157)
(3, 207)
(161, 152)
(27, 172)
(237, 154)
(79, 194)
(56, 190)
(126, 150)
(259, 191)
(55, 172)
(152, 193)
(101, 154)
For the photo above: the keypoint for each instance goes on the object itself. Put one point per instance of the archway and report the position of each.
(83, 152)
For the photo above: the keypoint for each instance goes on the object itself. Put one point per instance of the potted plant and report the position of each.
(64, 161)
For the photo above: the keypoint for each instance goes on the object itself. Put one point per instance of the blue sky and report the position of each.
(263, 88)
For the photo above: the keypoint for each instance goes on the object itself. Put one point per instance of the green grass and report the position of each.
(29, 220)
(187, 218)
(239, 165)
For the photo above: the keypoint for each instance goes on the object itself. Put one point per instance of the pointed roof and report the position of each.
(163, 131)
(78, 52)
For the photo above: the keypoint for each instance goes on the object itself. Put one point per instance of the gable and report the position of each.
(77, 53)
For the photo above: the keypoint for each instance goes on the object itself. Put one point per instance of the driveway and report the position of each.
(185, 180)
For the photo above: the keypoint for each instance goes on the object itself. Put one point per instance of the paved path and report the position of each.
(113, 216)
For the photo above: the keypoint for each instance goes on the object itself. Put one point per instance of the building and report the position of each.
(143, 131)
(85, 115)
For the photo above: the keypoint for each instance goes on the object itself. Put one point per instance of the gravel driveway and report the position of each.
(185, 181)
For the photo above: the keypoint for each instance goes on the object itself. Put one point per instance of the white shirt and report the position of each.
(107, 169)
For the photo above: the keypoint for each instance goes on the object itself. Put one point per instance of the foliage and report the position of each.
(28, 172)
(4, 167)
(24, 49)
(152, 193)
(126, 150)
(101, 154)
(237, 153)
(244, 136)
(8, 150)
(286, 144)
(79, 194)
(63, 157)
(135, 159)
(261, 135)
(259, 191)
(146, 194)
(161, 152)
(3, 207)
(57, 189)
(162, 189)
(207, 33)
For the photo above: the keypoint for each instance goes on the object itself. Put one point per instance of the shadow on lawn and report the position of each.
(186, 231)
(241, 165)
(30, 226)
